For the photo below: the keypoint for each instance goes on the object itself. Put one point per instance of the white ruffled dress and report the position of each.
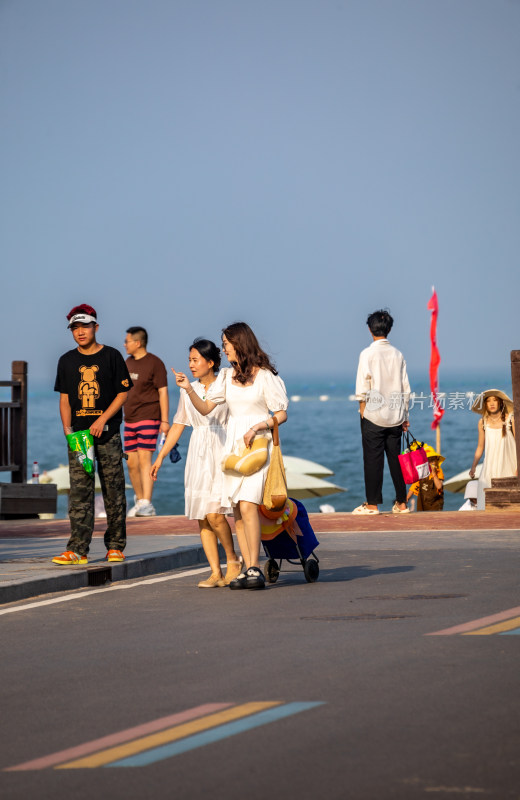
(499, 458)
(247, 406)
(203, 473)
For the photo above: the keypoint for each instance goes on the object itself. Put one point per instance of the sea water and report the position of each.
(323, 426)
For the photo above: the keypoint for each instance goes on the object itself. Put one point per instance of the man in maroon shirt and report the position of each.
(146, 416)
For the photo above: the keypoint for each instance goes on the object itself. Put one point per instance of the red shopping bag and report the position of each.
(414, 461)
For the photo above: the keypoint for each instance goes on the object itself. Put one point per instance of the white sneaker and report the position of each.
(397, 510)
(363, 509)
(145, 509)
(133, 511)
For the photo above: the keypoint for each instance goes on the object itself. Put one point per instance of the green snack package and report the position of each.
(82, 444)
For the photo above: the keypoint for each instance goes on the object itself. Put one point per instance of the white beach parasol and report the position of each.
(302, 465)
(60, 476)
(301, 486)
(459, 481)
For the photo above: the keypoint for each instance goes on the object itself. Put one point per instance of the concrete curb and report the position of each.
(98, 574)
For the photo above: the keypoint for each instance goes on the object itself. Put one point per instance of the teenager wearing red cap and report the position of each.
(93, 383)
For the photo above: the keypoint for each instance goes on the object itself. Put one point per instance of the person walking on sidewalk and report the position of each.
(203, 475)
(253, 391)
(383, 391)
(146, 416)
(93, 383)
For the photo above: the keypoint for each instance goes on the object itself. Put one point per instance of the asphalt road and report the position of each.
(393, 712)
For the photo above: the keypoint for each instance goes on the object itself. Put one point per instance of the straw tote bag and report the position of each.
(275, 489)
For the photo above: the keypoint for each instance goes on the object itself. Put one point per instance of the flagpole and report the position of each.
(435, 359)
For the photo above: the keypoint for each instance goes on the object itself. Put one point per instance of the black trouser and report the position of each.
(376, 442)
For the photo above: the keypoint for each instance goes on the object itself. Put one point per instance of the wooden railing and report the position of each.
(19, 499)
(13, 425)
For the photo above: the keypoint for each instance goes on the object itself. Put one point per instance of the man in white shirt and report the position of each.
(383, 391)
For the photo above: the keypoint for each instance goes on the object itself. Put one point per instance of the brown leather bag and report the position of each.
(275, 489)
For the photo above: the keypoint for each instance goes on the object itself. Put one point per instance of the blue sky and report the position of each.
(183, 164)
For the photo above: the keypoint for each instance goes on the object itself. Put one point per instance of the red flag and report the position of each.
(435, 360)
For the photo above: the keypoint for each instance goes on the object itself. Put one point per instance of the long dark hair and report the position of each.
(502, 408)
(207, 350)
(249, 353)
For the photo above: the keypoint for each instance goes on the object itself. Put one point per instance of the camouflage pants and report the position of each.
(109, 457)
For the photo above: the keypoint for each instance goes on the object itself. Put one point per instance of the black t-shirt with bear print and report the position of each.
(91, 383)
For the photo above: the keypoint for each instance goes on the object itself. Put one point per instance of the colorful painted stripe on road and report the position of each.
(168, 736)
(118, 738)
(215, 735)
(506, 622)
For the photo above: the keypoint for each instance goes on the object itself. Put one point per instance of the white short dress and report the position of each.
(499, 458)
(247, 405)
(203, 474)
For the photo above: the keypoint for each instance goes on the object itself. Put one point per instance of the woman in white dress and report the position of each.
(251, 388)
(496, 439)
(203, 473)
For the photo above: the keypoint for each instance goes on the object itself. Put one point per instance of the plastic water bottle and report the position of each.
(160, 441)
(35, 472)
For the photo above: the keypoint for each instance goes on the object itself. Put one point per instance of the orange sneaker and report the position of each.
(115, 555)
(70, 558)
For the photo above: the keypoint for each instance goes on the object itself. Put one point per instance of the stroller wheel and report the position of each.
(311, 570)
(271, 571)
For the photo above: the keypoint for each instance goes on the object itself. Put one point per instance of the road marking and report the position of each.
(500, 627)
(484, 623)
(317, 531)
(92, 592)
(118, 738)
(168, 736)
(155, 740)
(215, 735)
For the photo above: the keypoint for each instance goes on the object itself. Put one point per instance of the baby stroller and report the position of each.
(288, 535)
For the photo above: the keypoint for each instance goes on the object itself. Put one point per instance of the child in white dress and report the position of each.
(251, 389)
(203, 474)
(496, 439)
